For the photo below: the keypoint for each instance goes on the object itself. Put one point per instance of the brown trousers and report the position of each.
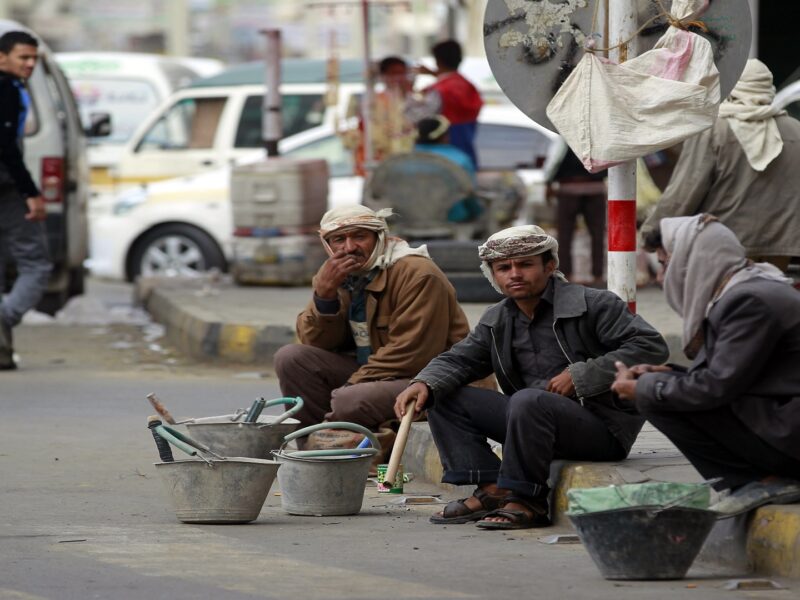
(320, 377)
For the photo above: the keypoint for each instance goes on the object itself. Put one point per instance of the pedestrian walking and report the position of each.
(22, 208)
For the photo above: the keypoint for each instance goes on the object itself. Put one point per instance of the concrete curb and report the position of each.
(767, 542)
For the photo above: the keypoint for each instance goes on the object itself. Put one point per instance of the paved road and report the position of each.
(83, 515)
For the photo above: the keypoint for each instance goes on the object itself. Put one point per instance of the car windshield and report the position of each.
(128, 101)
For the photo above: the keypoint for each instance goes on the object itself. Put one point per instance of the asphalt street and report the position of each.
(83, 513)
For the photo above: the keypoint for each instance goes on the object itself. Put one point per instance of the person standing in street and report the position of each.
(552, 346)
(745, 170)
(735, 412)
(22, 208)
(454, 97)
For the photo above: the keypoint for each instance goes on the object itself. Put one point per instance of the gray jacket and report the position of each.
(750, 361)
(594, 328)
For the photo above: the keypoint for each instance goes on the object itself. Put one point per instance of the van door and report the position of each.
(183, 139)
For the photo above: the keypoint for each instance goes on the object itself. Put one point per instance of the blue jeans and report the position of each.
(534, 426)
(25, 243)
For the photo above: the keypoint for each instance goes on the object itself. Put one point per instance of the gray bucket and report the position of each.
(229, 437)
(224, 492)
(325, 482)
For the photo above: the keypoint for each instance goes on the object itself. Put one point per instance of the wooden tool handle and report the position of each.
(160, 408)
(400, 444)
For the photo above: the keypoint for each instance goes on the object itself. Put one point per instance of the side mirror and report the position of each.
(100, 124)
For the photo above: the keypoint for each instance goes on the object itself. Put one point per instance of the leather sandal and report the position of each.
(519, 519)
(457, 511)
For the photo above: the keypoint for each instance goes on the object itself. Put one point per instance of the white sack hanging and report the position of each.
(610, 113)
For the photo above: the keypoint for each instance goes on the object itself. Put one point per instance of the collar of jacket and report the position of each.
(568, 301)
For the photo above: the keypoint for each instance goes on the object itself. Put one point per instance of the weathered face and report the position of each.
(356, 242)
(20, 61)
(522, 278)
(397, 76)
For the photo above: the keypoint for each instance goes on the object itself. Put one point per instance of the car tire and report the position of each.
(175, 249)
(473, 287)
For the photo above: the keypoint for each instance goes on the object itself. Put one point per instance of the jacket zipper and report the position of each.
(500, 362)
(569, 360)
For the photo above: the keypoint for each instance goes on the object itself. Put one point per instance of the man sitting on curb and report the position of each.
(552, 346)
(380, 311)
(735, 413)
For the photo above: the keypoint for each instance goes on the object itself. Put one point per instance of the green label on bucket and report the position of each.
(397, 486)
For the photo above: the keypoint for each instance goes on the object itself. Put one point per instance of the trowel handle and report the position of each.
(354, 452)
(376, 445)
(190, 441)
(400, 443)
(297, 406)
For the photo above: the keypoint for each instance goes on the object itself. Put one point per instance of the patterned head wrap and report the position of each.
(516, 242)
(388, 250)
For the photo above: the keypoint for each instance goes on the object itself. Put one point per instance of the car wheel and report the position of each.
(173, 250)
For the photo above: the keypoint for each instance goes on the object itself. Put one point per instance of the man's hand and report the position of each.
(333, 273)
(625, 383)
(36, 209)
(416, 392)
(562, 384)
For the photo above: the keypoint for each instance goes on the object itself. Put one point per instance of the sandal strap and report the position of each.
(536, 507)
(488, 501)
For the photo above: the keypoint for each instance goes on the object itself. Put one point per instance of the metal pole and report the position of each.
(622, 18)
(271, 131)
(754, 5)
(366, 105)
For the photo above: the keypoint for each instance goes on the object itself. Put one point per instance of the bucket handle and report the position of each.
(186, 443)
(297, 405)
(376, 445)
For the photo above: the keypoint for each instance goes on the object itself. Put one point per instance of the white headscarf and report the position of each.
(751, 116)
(516, 242)
(706, 261)
(388, 250)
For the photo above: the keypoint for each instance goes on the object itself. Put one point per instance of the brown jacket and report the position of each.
(412, 314)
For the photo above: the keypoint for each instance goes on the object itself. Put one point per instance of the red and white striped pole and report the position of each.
(622, 25)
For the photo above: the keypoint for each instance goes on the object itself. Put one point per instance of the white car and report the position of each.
(184, 225)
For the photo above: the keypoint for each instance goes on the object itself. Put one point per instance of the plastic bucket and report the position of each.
(325, 482)
(644, 542)
(224, 492)
(255, 440)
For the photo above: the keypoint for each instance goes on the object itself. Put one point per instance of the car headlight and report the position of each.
(129, 200)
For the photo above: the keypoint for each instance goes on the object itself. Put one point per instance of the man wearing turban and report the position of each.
(745, 170)
(735, 413)
(379, 312)
(552, 346)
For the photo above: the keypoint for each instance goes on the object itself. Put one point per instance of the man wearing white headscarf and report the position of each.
(735, 413)
(552, 346)
(745, 170)
(380, 311)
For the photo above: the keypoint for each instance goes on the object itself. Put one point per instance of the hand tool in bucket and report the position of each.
(255, 439)
(398, 448)
(162, 410)
(325, 482)
(186, 443)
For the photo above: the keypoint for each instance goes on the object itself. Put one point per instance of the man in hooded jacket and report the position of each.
(745, 170)
(735, 413)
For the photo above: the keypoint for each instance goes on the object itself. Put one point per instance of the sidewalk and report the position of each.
(217, 321)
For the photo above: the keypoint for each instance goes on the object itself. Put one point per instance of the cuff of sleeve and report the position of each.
(326, 307)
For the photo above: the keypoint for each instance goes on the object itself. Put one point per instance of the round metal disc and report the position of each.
(533, 45)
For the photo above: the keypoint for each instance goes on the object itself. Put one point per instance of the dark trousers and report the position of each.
(593, 209)
(320, 377)
(718, 444)
(534, 426)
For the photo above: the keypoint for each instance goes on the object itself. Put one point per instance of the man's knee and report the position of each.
(288, 357)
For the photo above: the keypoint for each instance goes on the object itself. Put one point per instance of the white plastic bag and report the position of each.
(610, 113)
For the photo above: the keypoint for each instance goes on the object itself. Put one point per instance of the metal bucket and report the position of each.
(225, 492)
(325, 482)
(644, 542)
(256, 440)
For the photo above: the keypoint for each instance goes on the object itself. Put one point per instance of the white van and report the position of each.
(127, 87)
(55, 154)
